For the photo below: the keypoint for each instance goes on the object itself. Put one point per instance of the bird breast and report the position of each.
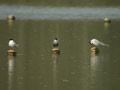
(12, 44)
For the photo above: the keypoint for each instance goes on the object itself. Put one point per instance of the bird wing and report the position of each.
(95, 42)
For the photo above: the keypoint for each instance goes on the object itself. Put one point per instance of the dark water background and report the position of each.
(74, 23)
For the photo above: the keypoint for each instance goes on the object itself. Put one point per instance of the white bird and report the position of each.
(11, 43)
(55, 42)
(96, 42)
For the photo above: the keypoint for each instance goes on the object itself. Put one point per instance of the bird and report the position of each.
(12, 43)
(55, 42)
(96, 43)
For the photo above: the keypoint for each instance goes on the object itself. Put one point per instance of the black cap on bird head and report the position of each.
(56, 39)
(10, 39)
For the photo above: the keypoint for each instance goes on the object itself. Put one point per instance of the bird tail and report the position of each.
(17, 45)
(105, 45)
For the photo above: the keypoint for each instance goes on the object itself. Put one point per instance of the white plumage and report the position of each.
(11, 43)
(55, 42)
(97, 43)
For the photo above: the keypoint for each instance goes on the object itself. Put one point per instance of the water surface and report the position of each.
(74, 23)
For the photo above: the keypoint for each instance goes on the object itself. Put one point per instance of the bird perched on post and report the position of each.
(96, 43)
(55, 42)
(12, 44)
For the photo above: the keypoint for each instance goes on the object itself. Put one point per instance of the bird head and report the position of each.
(56, 39)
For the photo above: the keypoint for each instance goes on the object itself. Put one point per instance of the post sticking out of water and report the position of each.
(11, 17)
(56, 50)
(107, 20)
(11, 52)
(94, 51)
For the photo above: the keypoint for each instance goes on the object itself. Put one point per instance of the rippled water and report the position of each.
(53, 13)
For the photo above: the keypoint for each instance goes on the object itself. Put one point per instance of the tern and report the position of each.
(55, 42)
(12, 44)
(96, 43)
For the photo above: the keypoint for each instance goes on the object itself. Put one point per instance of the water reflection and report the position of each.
(10, 23)
(96, 71)
(55, 57)
(107, 26)
(11, 67)
(94, 59)
(93, 68)
(94, 62)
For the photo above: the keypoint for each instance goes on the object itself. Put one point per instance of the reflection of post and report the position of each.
(93, 62)
(107, 26)
(55, 55)
(10, 23)
(94, 58)
(96, 70)
(11, 59)
(93, 70)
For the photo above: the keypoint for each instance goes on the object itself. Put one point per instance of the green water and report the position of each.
(36, 68)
